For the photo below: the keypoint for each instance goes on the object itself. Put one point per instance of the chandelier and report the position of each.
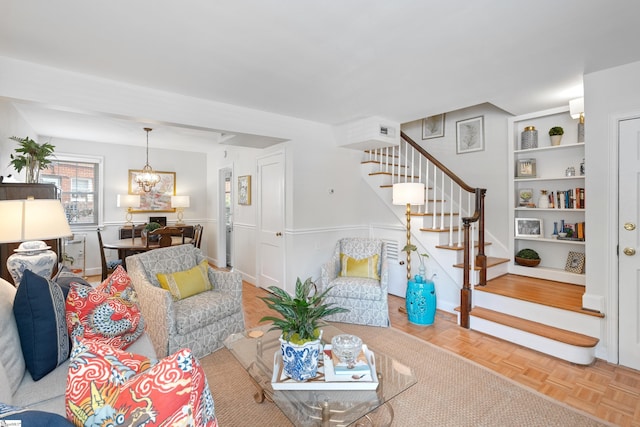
(147, 178)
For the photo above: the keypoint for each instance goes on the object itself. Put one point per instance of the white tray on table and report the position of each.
(326, 379)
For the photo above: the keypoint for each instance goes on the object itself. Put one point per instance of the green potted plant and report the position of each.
(31, 156)
(299, 323)
(555, 133)
(527, 257)
(149, 227)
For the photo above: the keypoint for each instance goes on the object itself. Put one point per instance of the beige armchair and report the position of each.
(200, 322)
(365, 297)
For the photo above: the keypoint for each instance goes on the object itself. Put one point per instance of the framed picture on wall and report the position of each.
(433, 127)
(470, 135)
(244, 190)
(159, 198)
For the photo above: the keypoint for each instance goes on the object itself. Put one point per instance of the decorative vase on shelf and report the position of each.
(529, 138)
(543, 201)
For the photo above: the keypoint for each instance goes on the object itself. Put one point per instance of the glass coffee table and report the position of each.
(255, 350)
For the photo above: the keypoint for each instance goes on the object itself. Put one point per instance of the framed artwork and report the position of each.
(526, 168)
(159, 198)
(433, 127)
(525, 195)
(575, 262)
(244, 190)
(470, 135)
(529, 227)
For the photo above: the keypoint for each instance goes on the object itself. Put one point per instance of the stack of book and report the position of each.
(567, 199)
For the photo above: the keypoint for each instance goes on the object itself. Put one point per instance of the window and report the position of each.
(78, 179)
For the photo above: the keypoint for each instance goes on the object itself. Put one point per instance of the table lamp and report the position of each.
(128, 201)
(180, 202)
(408, 193)
(31, 221)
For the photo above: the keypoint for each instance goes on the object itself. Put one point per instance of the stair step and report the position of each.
(459, 248)
(556, 334)
(439, 230)
(431, 214)
(491, 261)
(391, 174)
(561, 295)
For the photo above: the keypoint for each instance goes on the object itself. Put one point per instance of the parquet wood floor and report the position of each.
(607, 391)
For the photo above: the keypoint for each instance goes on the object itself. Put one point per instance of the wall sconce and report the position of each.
(180, 202)
(128, 201)
(31, 221)
(409, 193)
(576, 109)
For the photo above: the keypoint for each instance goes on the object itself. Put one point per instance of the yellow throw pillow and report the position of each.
(183, 284)
(365, 267)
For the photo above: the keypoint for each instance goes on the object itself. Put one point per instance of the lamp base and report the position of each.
(40, 261)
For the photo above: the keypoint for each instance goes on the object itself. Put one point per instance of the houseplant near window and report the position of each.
(555, 133)
(528, 258)
(300, 322)
(31, 156)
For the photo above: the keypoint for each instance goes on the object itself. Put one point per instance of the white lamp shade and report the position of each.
(34, 219)
(408, 193)
(128, 201)
(180, 201)
(576, 107)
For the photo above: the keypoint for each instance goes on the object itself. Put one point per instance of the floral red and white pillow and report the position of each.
(108, 386)
(109, 313)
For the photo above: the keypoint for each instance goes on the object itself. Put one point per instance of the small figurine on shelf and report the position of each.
(555, 230)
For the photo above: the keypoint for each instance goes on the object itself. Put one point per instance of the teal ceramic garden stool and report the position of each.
(421, 301)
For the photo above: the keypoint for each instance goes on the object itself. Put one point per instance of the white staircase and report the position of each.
(436, 226)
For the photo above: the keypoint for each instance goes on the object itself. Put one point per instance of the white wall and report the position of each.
(609, 95)
(484, 169)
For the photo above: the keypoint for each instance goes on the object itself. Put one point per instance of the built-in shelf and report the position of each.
(551, 164)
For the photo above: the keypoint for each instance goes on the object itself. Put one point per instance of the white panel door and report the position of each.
(271, 221)
(629, 244)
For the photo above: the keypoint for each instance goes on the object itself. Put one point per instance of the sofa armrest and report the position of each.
(156, 305)
(329, 270)
(226, 281)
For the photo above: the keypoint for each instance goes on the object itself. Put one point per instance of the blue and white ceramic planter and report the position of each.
(300, 361)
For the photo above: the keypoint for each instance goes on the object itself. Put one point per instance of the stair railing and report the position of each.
(409, 162)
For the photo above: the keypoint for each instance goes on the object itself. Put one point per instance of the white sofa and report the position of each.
(17, 388)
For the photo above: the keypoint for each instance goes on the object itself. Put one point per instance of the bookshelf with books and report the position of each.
(547, 184)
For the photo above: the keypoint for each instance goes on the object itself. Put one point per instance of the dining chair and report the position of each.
(197, 235)
(166, 234)
(108, 266)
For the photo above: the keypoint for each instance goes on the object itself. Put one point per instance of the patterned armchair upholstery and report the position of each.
(200, 322)
(365, 298)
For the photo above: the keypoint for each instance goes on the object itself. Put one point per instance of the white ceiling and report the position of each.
(329, 61)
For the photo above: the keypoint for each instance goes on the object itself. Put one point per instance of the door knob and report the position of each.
(629, 251)
(629, 226)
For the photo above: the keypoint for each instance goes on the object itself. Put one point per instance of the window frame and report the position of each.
(99, 188)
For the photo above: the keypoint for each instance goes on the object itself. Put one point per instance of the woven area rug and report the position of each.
(451, 391)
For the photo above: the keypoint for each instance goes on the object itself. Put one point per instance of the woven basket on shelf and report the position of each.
(527, 262)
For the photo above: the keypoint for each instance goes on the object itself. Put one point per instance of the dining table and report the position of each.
(126, 247)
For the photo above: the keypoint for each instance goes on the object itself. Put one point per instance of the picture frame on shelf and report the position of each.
(433, 127)
(525, 198)
(529, 227)
(575, 262)
(526, 168)
(470, 135)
